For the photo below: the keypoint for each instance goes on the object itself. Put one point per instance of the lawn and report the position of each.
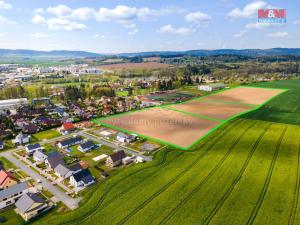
(6, 163)
(88, 157)
(48, 134)
(11, 217)
(246, 172)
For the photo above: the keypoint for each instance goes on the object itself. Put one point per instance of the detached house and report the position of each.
(30, 149)
(53, 160)
(30, 205)
(39, 157)
(65, 172)
(67, 128)
(121, 137)
(116, 159)
(82, 179)
(87, 146)
(70, 142)
(10, 195)
(21, 139)
(7, 180)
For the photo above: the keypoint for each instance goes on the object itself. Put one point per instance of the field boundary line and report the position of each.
(267, 181)
(100, 201)
(296, 193)
(228, 103)
(192, 114)
(182, 174)
(100, 121)
(237, 179)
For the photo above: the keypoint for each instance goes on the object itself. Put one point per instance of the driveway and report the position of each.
(59, 194)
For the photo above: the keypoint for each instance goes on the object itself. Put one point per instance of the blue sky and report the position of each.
(114, 26)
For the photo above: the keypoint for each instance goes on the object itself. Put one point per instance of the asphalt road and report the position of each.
(59, 194)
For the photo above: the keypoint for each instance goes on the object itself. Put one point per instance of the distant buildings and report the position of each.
(12, 103)
(21, 139)
(211, 87)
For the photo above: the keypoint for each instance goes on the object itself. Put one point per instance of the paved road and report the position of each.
(104, 142)
(59, 194)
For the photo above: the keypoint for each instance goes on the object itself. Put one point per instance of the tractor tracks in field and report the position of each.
(296, 193)
(267, 181)
(100, 205)
(237, 179)
(184, 172)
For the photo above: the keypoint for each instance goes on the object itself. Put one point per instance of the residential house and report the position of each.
(21, 139)
(115, 159)
(30, 149)
(127, 160)
(65, 172)
(39, 157)
(10, 195)
(31, 205)
(54, 159)
(7, 179)
(87, 146)
(81, 179)
(1, 144)
(62, 171)
(67, 128)
(121, 137)
(70, 142)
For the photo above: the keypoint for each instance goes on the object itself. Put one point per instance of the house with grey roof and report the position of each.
(10, 195)
(31, 205)
(82, 179)
(54, 159)
(21, 139)
(39, 157)
(30, 149)
(87, 146)
(62, 171)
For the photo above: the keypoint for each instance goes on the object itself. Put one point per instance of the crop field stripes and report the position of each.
(228, 102)
(183, 173)
(296, 193)
(214, 140)
(236, 181)
(90, 213)
(193, 114)
(267, 181)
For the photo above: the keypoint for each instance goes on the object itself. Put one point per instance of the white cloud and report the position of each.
(248, 11)
(38, 19)
(277, 35)
(58, 23)
(4, 5)
(64, 24)
(83, 13)
(296, 22)
(133, 32)
(4, 20)
(39, 11)
(2, 35)
(102, 36)
(197, 17)
(169, 29)
(59, 10)
(39, 35)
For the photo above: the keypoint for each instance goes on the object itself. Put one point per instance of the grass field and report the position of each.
(11, 217)
(48, 134)
(246, 172)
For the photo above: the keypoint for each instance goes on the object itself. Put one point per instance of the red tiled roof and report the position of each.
(68, 126)
(4, 175)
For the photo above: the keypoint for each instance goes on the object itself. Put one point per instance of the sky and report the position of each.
(118, 26)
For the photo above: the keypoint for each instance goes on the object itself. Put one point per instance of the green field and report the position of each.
(11, 217)
(246, 172)
(48, 134)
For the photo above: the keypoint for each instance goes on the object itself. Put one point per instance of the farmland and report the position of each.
(237, 173)
(184, 124)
